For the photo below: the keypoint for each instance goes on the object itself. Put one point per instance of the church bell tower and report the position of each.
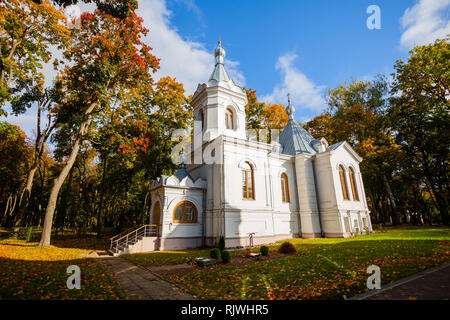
(219, 104)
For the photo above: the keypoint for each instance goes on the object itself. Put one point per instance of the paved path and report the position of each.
(431, 284)
(141, 284)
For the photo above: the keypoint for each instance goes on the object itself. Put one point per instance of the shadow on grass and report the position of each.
(47, 280)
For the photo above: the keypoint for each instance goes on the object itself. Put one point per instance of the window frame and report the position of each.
(229, 119)
(344, 186)
(353, 185)
(285, 194)
(247, 172)
(184, 212)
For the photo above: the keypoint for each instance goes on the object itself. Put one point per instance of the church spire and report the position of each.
(219, 73)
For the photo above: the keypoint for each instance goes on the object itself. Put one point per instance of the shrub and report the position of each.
(264, 250)
(287, 247)
(226, 256)
(221, 245)
(215, 253)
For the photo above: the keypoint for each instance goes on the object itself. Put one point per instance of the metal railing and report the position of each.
(125, 232)
(122, 241)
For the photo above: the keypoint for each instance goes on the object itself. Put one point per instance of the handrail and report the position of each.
(131, 237)
(144, 225)
(124, 232)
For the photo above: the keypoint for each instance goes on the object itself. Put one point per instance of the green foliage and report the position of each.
(215, 253)
(30, 230)
(221, 244)
(226, 256)
(264, 250)
(420, 113)
(287, 247)
(28, 29)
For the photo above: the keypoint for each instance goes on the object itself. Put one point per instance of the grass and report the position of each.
(321, 269)
(30, 272)
(165, 257)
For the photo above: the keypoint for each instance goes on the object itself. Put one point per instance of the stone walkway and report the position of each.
(431, 284)
(141, 284)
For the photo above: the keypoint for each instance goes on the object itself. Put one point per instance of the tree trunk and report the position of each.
(50, 210)
(25, 197)
(395, 214)
(100, 208)
(374, 208)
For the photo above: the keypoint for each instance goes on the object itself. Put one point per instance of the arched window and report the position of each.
(185, 212)
(202, 118)
(351, 174)
(248, 182)
(229, 119)
(285, 188)
(343, 183)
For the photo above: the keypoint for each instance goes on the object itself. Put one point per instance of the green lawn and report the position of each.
(321, 269)
(165, 257)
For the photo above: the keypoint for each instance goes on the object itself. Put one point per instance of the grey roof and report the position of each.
(182, 173)
(219, 73)
(295, 139)
(335, 146)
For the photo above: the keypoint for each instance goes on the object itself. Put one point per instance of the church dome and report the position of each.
(294, 138)
(219, 51)
(219, 73)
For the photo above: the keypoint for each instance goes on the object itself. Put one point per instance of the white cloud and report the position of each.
(425, 22)
(304, 93)
(189, 61)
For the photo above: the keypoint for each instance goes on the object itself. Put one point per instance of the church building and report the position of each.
(253, 192)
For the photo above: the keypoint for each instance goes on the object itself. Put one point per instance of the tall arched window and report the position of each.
(343, 182)
(202, 118)
(285, 188)
(248, 182)
(351, 174)
(185, 212)
(229, 119)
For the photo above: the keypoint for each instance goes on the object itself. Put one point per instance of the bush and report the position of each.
(221, 245)
(215, 253)
(264, 250)
(287, 247)
(226, 256)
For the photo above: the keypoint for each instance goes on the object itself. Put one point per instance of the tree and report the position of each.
(274, 118)
(420, 113)
(260, 115)
(27, 30)
(45, 99)
(108, 65)
(357, 115)
(14, 162)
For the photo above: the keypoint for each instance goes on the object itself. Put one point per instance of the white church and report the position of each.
(253, 192)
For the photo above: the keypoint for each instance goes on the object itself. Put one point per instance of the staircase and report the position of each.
(142, 238)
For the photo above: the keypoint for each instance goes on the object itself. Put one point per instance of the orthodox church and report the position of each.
(253, 192)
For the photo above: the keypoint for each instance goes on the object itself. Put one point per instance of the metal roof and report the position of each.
(219, 72)
(295, 139)
(335, 146)
(182, 173)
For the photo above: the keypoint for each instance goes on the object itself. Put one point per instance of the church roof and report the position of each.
(182, 173)
(295, 139)
(219, 73)
(335, 146)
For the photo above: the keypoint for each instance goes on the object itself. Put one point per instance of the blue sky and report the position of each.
(297, 46)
